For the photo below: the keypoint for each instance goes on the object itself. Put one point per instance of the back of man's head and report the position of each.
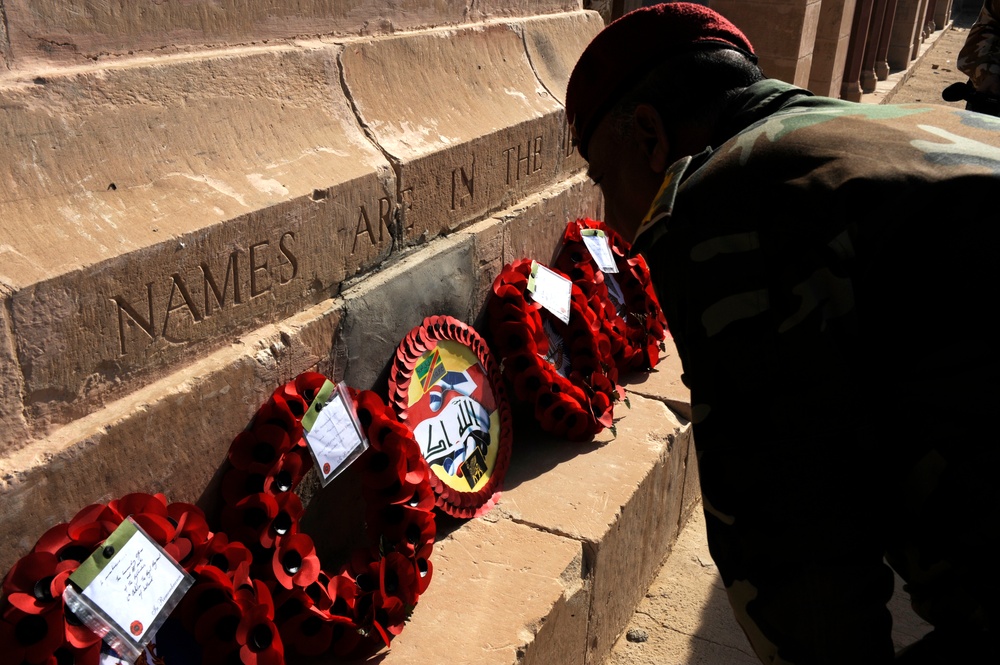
(663, 54)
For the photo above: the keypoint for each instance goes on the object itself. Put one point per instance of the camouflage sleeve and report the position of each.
(980, 57)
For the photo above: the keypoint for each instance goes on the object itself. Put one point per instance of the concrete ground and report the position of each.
(684, 618)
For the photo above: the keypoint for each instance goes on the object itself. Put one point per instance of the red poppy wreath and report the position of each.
(259, 589)
(564, 370)
(446, 386)
(627, 307)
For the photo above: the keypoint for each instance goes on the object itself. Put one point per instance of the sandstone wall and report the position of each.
(201, 199)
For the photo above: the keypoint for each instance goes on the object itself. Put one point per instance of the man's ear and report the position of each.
(651, 136)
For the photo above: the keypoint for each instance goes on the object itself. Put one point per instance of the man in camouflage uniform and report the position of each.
(828, 271)
(980, 59)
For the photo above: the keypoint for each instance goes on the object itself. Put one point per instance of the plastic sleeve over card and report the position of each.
(118, 637)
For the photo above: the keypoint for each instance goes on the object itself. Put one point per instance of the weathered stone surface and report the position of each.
(13, 428)
(80, 31)
(170, 436)
(379, 311)
(620, 495)
(833, 34)
(4, 41)
(464, 119)
(502, 594)
(664, 382)
(782, 32)
(185, 203)
(535, 226)
(554, 45)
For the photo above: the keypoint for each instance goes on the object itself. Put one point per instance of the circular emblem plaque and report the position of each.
(446, 387)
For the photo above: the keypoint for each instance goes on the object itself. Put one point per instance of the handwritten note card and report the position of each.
(128, 587)
(550, 290)
(597, 242)
(332, 432)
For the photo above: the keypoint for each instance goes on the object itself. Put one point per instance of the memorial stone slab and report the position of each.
(554, 45)
(170, 436)
(80, 31)
(153, 212)
(462, 116)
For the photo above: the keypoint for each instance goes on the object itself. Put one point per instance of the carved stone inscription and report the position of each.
(527, 163)
(169, 303)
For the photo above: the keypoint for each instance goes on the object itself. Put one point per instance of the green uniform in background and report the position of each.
(831, 274)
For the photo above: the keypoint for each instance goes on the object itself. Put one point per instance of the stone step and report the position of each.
(551, 576)
(157, 208)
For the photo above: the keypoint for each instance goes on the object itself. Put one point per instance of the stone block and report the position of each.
(502, 594)
(81, 31)
(465, 121)
(380, 310)
(186, 202)
(13, 427)
(664, 382)
(170, 436)
(535, 227)
(782, 32)
(620, 495)
(830, 51)
(554, 45)
(905, 29)
(4, 41)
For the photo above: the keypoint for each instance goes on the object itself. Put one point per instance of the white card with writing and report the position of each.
(550, 290)
(597, 242)
(127, 589)
(332, 431)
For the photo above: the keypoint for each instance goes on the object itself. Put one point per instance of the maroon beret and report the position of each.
(632, 46)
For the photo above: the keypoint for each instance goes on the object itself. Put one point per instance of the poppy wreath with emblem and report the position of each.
(415, 345)
(564, 370)
(259, 587)
(627, 307)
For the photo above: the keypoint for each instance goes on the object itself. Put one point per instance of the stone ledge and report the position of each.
(68, 31)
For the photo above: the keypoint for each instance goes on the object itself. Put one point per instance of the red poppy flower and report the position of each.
(258, 449)
(259, 639)
(245, 521)
(211, 587)
(285, 521)
(32, 638)
(35, 583)
(295, 561)
(403, 528)
(310, 632)
(137, 504)
(289, 471)
(237, 484)
(279, 413)
(216, 629)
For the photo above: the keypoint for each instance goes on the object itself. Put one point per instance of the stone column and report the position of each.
(875, 29)
(904, 31)
(850, 89)
(833, 37)
(881, 64)
(942, 13)
(783, 33)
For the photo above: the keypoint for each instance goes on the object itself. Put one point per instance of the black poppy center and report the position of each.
(225, 628)
(254, 483)
(393, 514)
(366, 583)
(220, 561)
(378, 462)
(291, 562)
(263, 452)
(297, 407)
(422, 567)
(391, 581)
(309, 394)
(31, 630)
(290, 608)
(261, 637)
(74, 553)
(254, 516)
(312, 626)
(282, 523)
(413, 533)
(210, 599)
(43, 589)
(283, 481)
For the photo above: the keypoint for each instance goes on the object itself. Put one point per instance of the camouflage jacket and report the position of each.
(825, 262)
(980, 57)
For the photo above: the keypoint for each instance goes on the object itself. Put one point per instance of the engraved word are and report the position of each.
(248, 273)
